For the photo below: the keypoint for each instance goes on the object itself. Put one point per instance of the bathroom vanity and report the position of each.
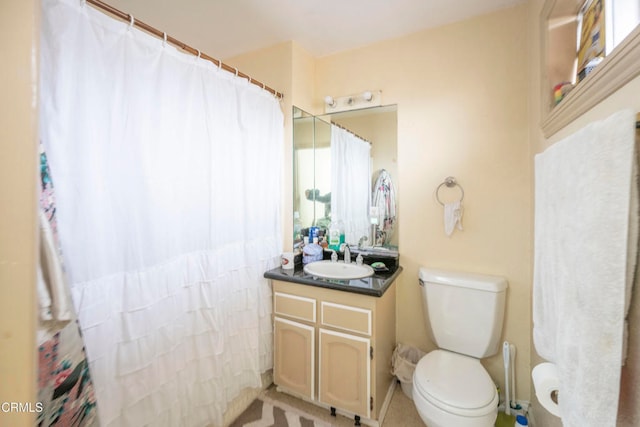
(333, 341)
(333, 338)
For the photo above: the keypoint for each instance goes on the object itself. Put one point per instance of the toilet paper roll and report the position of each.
(547, 385)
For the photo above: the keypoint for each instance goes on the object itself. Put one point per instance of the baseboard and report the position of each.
(387, 401)
(531, 417)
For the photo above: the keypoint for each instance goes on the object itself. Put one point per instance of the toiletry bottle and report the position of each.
(313, 232)
(334, 235)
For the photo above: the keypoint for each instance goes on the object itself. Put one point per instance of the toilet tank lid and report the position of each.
(481, 282)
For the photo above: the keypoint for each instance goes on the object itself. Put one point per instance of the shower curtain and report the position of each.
(65, 387)
(350, 182)
(168, 177)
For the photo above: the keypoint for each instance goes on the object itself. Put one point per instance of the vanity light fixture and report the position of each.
(330, 101)
(352, 102)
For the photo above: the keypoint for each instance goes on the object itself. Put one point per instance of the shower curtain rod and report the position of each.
(351, 132)
(128, 17)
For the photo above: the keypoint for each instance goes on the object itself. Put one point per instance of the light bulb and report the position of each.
(329, 101)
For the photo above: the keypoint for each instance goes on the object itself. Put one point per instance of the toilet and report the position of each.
(464, 314)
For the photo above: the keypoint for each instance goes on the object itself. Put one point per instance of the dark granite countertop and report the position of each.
(375, 285)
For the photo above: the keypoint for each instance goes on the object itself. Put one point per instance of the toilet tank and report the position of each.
(465, 311)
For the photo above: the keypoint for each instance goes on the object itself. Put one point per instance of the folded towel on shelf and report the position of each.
(452, 217)
(585, 250)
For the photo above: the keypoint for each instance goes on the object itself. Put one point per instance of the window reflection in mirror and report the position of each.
(312, 168)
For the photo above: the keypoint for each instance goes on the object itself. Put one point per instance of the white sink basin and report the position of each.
(338, 270)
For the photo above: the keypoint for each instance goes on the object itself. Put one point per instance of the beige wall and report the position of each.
(626, 97)
(18, 195)
(303, 77)
(461, 92)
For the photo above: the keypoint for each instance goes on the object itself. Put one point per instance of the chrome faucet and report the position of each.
(347, 254)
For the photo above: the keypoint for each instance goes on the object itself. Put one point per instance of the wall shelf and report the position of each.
(619, 67)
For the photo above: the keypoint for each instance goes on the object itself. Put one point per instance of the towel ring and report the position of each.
(449, 182)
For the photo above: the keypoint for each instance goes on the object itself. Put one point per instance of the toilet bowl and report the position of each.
(454, 390)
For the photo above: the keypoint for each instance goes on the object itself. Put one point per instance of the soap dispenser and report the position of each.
(336, 234)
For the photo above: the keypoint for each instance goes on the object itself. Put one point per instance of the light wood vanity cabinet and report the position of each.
(295, 336)
(334, 348)
(295, 367)
(344, 368)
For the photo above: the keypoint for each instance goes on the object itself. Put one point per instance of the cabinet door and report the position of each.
(344, 372)
(294, 356)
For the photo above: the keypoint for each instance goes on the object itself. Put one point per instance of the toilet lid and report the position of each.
(455, 382)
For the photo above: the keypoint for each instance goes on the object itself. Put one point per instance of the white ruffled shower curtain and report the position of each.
(350, 182)
(167, 175)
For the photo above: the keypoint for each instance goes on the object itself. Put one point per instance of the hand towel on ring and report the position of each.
(452, 217)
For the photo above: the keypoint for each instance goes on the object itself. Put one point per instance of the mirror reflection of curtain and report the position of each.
(168, 182)
(350, 182)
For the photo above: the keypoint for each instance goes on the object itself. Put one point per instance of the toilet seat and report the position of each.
(456, 384)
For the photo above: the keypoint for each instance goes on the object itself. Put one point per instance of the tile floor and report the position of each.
(401, 412)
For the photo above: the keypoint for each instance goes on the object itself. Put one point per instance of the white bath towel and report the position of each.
(452, 217)
(585, 252)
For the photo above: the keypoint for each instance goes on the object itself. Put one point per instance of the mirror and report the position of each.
(328, 180)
